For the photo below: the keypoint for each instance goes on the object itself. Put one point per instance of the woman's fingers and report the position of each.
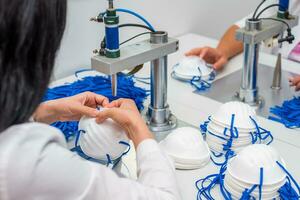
(112, 113)
(297, 88)
(220, 63)
(101, 100)
(203, 53)
(115, 104)
(194, 52)
(294, 80)
(93, 98)
(84, 110)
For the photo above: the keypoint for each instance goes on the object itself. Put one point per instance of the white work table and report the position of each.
(194, 109)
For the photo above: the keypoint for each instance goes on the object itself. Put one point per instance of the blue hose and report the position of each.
(136, 15)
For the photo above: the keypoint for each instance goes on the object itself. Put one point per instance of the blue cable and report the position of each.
(136, 15)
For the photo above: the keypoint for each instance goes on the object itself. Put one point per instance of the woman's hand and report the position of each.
(210, 55)
(295, 82)
(70, 108)
(228, 47)
(125, 113)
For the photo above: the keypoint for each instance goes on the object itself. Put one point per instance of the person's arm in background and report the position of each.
(227, 48)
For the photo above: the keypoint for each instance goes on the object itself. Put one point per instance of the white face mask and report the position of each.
(192, 66)
(187, 148)
(104, 142)
(232, 128)
(196, 71)
(257, 172)
(255, 165)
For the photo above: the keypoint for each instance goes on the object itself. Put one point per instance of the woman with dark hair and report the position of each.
(34, 160)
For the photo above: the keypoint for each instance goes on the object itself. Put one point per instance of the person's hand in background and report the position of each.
(70, 108)
(295, 82)
(125, 113)
(211, 56)
(227, 48)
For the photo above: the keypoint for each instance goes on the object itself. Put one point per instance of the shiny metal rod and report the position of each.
(114, 84)
(276, 84)
(249, 89)
(110, 4)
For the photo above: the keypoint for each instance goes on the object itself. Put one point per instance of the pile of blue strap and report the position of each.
(288, 113)
(100, 85)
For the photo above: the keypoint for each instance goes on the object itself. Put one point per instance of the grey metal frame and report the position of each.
(156, 50)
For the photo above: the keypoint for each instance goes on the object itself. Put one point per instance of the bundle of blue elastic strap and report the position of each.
(288, 113)
(99, 85)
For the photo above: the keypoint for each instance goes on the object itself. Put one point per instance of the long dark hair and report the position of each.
(30, 35)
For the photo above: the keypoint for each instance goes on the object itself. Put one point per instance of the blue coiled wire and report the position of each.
(100, 85)
(288, 113)
(136, 15)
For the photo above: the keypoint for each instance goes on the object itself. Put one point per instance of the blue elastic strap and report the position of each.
(108, 161)
(287, 192)
(247, 193)
(199, 84)
(136, 15)
(233, 130)
(290, 176)
(205, 185)
(229, 154)
(288, 113)
(261, 133)
(203, 127)
(261, 182)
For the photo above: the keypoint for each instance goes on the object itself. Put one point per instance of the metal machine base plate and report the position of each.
(160, 135)
(225, 89)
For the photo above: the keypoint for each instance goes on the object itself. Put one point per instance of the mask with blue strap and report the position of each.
(257, 172)
(195, 71)
(89, 80)
(232, 128)
(104, 143)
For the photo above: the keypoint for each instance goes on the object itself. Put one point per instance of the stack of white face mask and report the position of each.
(190, 67)
(232, 127)
(105, 142)
(255, 168)
(187, 148)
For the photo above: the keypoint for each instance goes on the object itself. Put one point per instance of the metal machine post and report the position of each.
(159, 115)
(249, 89)
(252, 35)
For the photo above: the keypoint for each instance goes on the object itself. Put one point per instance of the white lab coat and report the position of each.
(35, 164)
(295, 10)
